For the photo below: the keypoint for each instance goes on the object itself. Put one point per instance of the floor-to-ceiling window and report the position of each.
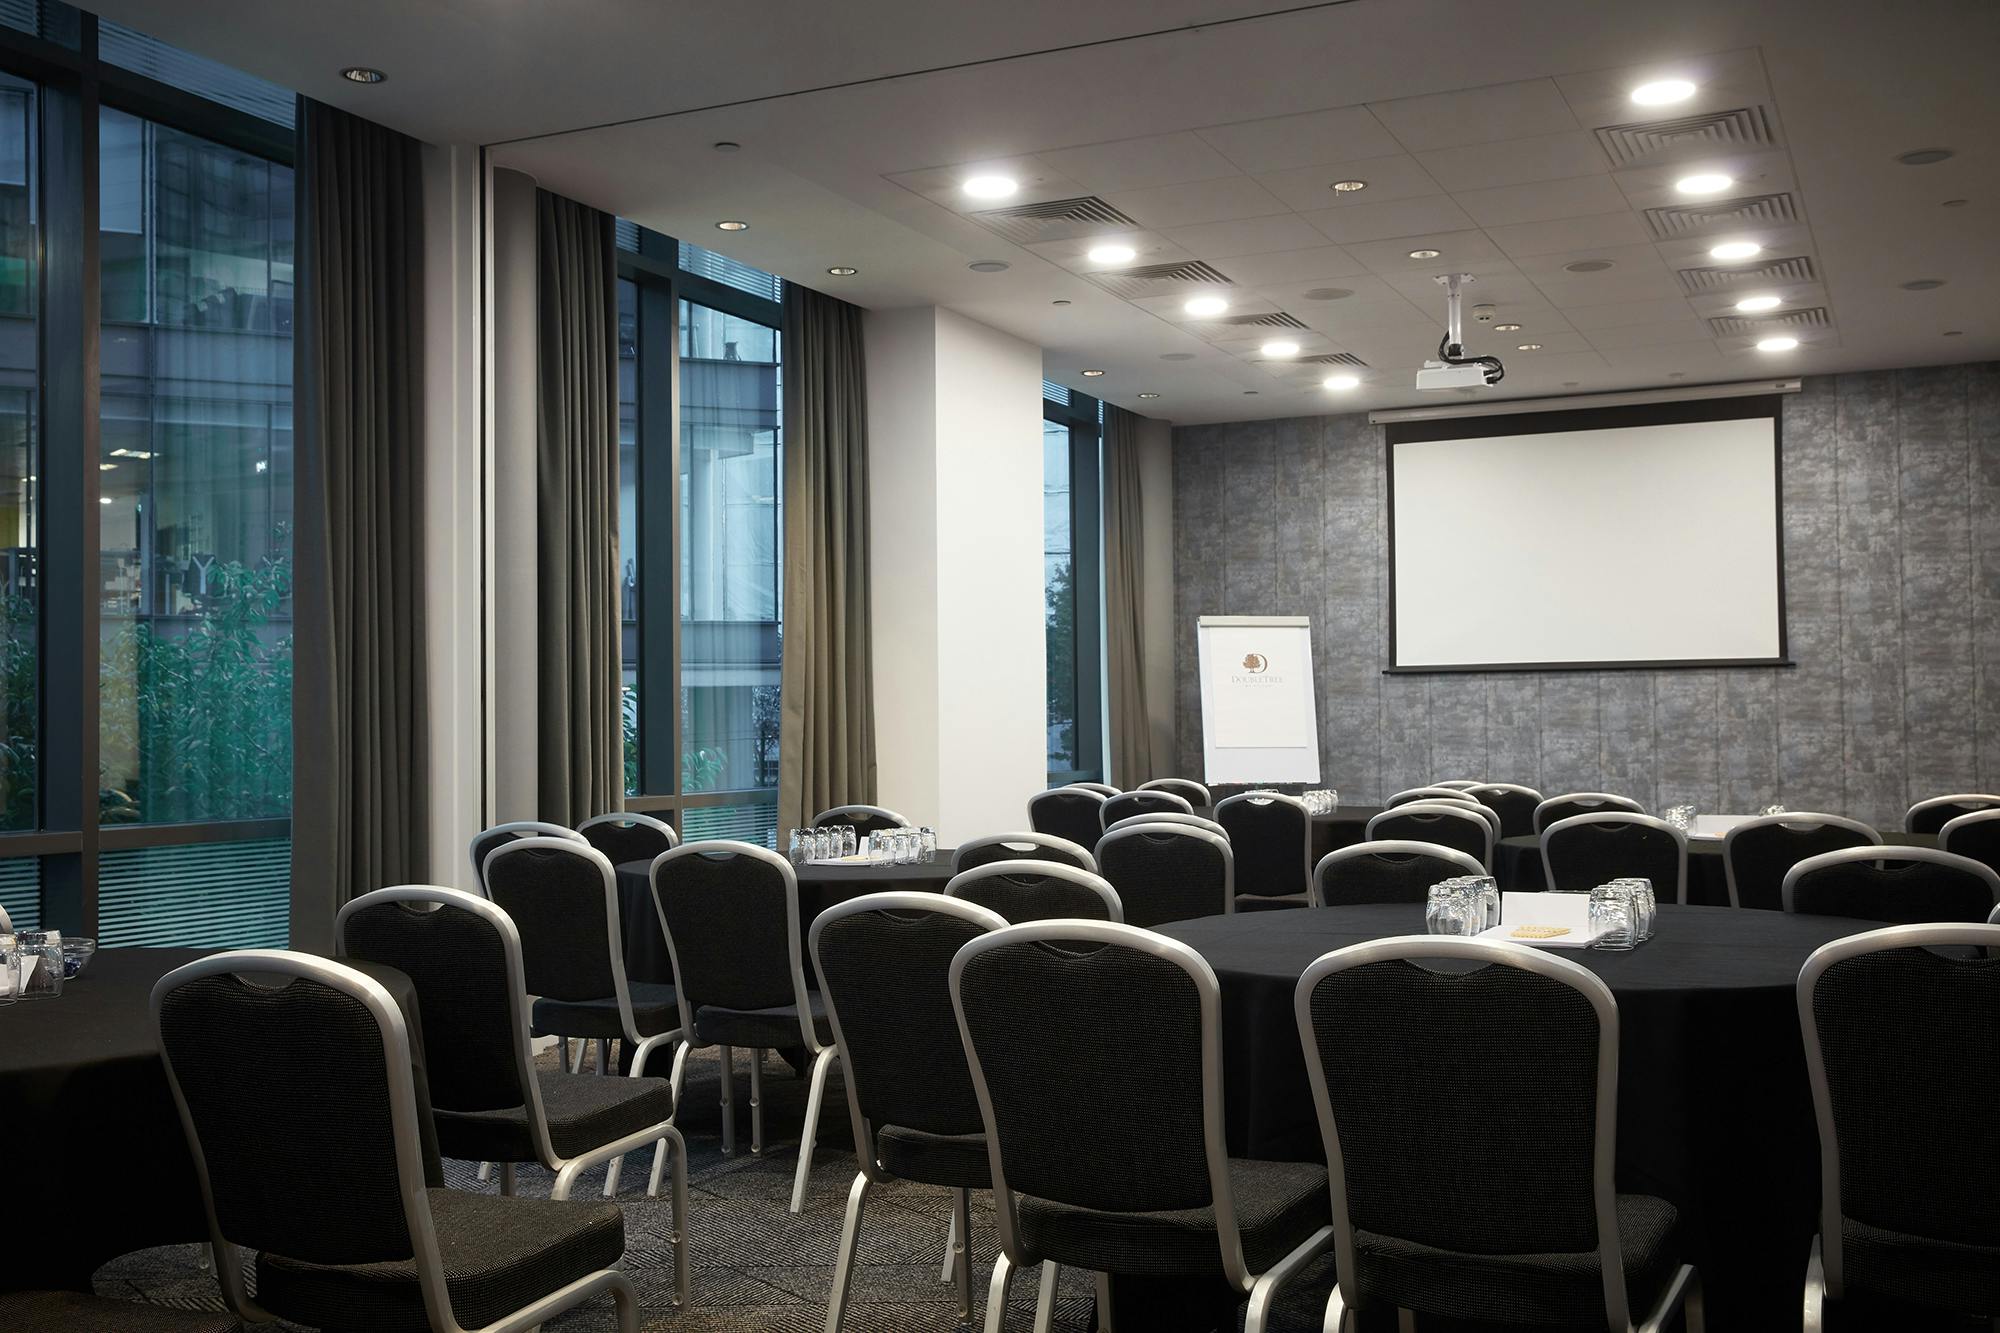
(1071, 584)
(146, 769)
(700, 534)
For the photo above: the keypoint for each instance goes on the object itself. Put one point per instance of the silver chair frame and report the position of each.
(1791, 819)
(428, 1261)
(1988, 800)
(1431, 791)
(1262, 1288)
(1848, 855)
(841, 814)
(1460, 784)
(1388, 847)
(823, 1055)
(666, 1138)
(1962, 823)
(1104, 819)
(1621, 817)
(1096, 883)
(1826, 1276)
(1045, 840)
(1101, 788)
(1487, 820)
(1185, 788)
(1610, 801)
(1504, 788)
(1169, 817)
(520, 828)
(958, 1243)
(634, 818)
(1685, 1286)
(1278, 798)
(1126, 829)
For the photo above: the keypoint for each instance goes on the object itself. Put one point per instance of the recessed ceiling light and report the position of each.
(1112, 254)
(1587, 266)
(1663, 92)
(1281, 347)
(843, 271)
(1060, 300)
(1249, 393)
(1347, 187)
(1923, 157)
(988, 266)
(1149, 395)
(1425, 254)
(1572, 384)
(1956, 203)
(726, 146)
(990, 187)
(1177, 356)
(362, 74)
(1527, 347)
(1341, 383)
(1328, 294)
(1704, 182)
(1201, 307)
(1092, 374)
(1923, 284)
(1776, 344)
(104, 499)
(731, 224)
(1506, 328)
(1954, 333)
(1751, 305)
(1729, 250)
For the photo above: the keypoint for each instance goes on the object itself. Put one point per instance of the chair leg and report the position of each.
(627, 1304)
(507, 1179)
(960, 1257)
(562, 1052)
(1104, 1303)
(677, 1075)
(996, 1294)
(674, 1144)
(843, 1264)
(1693, 1313)
(728, 1057)
(1815, 1314)
(603, 1055)
(611, 1177)
(756, 1103)
(950, 1249)
(1336, 1313)
(1045, 1299)
(485, 1172)
(821, 1063)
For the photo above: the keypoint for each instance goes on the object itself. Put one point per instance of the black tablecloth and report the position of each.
(1714, 1112)
(85, 1110)
(1517, 864)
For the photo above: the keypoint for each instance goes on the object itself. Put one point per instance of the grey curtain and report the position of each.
(360, 730)
(580, 750)
(1131, 755)
(826, 725)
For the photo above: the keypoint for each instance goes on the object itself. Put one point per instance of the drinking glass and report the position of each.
(906, 846)
(1446, 912)
(797, 850)
(822, 844)
(928, 838)
(1486, 892)
(1645, 908)
(1611, 913)
(1774, 809)
(1332, 798)
(1681, 816)
(43, 950)
(850, 839)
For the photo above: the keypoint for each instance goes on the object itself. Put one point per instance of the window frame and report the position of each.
(1084, 417)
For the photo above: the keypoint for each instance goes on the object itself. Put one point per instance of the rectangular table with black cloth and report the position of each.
(1517, 864)
(85, 1110)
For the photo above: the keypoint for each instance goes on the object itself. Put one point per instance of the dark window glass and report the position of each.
(20, 482)
(1059, 592)
(628, 520)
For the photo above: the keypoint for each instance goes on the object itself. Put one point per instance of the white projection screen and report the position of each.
(1616, 537)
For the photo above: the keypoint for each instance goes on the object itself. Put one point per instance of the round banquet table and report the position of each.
(1517, 864)
(1714, 1110)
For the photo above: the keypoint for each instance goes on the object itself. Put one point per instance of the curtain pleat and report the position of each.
(1124, 602)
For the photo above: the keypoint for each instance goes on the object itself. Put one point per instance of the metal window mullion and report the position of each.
(657, 514)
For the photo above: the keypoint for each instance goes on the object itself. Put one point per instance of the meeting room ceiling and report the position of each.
(1208, 138)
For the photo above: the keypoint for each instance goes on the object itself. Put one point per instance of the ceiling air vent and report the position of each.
(1157, 279)
(1798, 268)
(1334, 359)
(1280, 320)
(1650, 141)
(1762, 210)
(1054, 220)
(1740, 326)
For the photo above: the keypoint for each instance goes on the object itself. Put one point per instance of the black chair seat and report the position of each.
(1540, 1290)
(499, 1254)
(1278, 1205)
(1918, 1270)
(1260, 902)
(956, 1161)
(585, 1111)
(654, 1009)
(776, 1028)
(69, 1311)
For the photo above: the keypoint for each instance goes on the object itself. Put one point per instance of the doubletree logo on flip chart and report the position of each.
(1256, 671)
(1256, 663)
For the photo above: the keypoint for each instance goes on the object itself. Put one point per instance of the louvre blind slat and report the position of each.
(130, 49)
(232, 894)
(21, 891)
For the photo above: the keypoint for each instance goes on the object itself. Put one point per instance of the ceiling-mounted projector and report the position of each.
(1453, 369)
(1438, 375)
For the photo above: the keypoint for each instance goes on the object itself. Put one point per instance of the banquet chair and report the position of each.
(884, 962)
(1101, 788)
(628, 836)
(1894, 884)
(1270, 835)
(1530, 1229)
(1096, 1056)
(1932, 815)
(864, 819)
(1757, 852)
(1128, 803)
(1167, 872)
(1583, 851)
(1514, 804)
(1068, 812)
(1194, 793)
(1458, 784)
(488, 1101)
(1020, 847)
(1581, 803)
(1907, 1216)
(1389, 871)
(68, 1311)
(1428, 794)
(1442, 823)
(1186, 821)
(300, 1107)
(1037, 891)
(1976, 835)
(731, 914)
(486, 841)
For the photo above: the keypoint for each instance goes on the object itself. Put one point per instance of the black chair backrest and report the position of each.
(1167, 872)
(978, 852)
(487, 841)
(1514, 804)
(1465, 831)
(1976, 835)
(1067, 812)
(1895, 884)
(1581, 803)
(1757, 853)
(884, 964)
(628, 839)
(1128, 803)
(1930, 816)
(1194, 793)
(563, 898)
(1584, 851)
(1387, 872)
(1091, 1058)
(1270, 836)
(863, 819)
(1036, 891)
(731, 913)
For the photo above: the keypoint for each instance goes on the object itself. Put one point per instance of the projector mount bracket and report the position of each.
(1451, 348)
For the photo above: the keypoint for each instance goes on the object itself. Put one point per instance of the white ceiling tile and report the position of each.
(1544, 201)
(1688, 330)
(1196, 202)
(1039, 183)
(1361, 286)
(1556, 367)
(1170, 307)
(1476, 115)
(1545, 157)
(1399, 217)
(1630, 313)
(1570, 291)
(1690, 359)
(1140, 164)
(1507, 345)
(1073, 254)
(1308, 267)
(1394, 177)
(1283, 142)
(1523, 240)
(1455, 249)
(1493, 280)
(1247, 236)
(1622, 258)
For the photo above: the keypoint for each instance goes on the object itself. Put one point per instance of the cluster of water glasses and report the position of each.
(824, 844)
(1321, 802)
(1622, 913)
(34, 964)
(1463, 905)
(904, 846)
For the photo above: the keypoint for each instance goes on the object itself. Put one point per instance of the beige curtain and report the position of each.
(1131, 758)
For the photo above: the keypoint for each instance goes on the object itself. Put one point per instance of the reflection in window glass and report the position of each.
(20, 486)
(731, 521)
(196, 471)
(628, 521)
(1059, 591)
